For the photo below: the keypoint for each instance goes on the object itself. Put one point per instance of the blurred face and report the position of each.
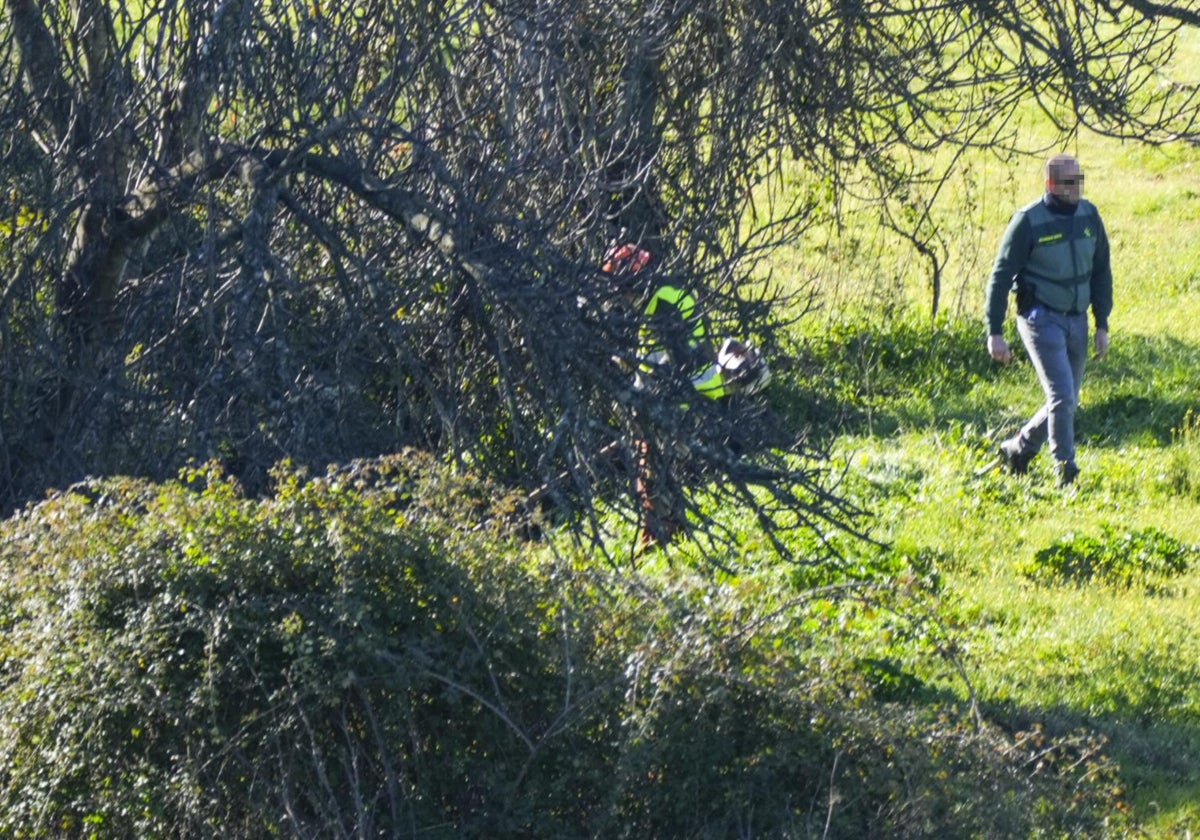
(1064, 180)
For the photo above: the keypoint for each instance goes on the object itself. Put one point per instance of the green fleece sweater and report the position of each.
(1054, 255)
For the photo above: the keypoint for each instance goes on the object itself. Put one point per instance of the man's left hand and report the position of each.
(1100, 344)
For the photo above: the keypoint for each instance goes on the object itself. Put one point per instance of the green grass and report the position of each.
(929, 407)
(1123, 661)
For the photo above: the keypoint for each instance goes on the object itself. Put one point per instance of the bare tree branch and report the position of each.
(304, 230)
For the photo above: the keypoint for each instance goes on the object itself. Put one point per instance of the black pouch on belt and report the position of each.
(1025, 298)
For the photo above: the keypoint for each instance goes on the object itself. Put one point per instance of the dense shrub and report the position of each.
(180, 662)
(1146, 558)
(368, 653)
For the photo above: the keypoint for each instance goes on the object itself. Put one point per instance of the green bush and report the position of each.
(183, 663)
(371, 653)
(1146, 558)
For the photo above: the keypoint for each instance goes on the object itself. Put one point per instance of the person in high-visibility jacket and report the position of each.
(672, 333)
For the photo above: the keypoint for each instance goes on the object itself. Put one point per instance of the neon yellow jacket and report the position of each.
(684, 304)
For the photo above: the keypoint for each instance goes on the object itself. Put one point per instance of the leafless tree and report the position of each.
(317, 231)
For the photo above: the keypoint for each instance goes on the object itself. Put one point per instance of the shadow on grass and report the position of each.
(1157, 762)
(1144, 393)
(875, 379)
(1147, 759)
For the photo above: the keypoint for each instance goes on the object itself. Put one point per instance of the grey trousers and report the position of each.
(1057, 345)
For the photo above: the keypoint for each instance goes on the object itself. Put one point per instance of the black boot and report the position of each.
(1067, 473)
(1014, 460)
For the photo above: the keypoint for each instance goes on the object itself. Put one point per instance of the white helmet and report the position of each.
(742, 366)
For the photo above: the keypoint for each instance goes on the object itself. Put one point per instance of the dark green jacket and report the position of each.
(1054, 256)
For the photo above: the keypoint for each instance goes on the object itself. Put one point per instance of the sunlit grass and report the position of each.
(1121, 662)
(931, 408)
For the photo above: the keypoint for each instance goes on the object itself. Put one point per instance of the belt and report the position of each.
(1071, 313)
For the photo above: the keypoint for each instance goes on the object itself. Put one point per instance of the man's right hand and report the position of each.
(998, 349)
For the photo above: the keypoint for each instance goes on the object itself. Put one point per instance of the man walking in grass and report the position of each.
(1055, 257)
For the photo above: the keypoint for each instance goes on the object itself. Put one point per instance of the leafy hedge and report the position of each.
(1147, 558)
(371, 653)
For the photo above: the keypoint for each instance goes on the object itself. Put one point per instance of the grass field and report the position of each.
(1121, 660)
